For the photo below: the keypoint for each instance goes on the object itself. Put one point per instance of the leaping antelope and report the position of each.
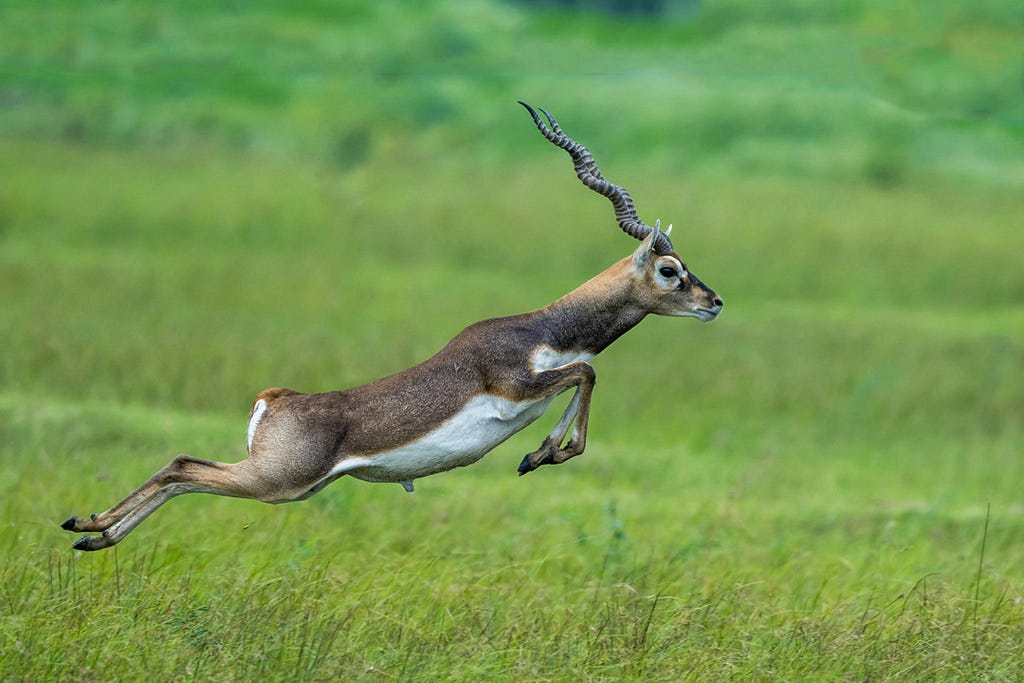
(490, 381)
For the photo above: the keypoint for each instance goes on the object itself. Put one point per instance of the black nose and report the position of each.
(718, 301)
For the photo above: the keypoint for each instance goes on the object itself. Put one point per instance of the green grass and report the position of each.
(199, 202)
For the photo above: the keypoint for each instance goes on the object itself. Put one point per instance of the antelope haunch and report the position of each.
(492, 380)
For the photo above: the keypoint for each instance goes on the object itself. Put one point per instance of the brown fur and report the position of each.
(301, 438)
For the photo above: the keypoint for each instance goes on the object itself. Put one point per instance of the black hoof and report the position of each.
(525, 466)
(91, 543)
(69, 525)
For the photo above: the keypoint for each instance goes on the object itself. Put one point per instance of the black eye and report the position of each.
(668, 272)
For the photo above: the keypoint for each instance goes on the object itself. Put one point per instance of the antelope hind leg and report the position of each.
(184, 474)
(106, 519)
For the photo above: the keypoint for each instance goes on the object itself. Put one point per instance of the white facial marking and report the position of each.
(546, 358)
(678, 266)
(254, 421)
(482, 424)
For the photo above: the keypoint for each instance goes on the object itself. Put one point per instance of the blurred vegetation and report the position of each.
(782, 87)
(202, 199)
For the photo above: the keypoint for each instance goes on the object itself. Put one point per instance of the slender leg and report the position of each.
(184, 474)
(578, 374)
(557, 434)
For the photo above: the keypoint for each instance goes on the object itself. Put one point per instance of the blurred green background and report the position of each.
(202, 199)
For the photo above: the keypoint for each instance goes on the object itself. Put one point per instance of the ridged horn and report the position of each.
(588, 172)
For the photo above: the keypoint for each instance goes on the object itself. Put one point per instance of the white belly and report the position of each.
(482, 424)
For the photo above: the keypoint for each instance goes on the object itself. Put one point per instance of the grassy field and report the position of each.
(200, 200)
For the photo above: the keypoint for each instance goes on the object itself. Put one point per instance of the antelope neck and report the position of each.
(580, 322)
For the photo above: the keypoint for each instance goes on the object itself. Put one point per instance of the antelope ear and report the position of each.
(643, 253)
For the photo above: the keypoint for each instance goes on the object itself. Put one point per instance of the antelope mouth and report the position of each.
(706, 315)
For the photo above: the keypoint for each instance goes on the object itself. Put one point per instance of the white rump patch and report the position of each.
(254, 421)
(546, 358)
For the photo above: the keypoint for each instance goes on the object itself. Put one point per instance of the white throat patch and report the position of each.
(546, 358)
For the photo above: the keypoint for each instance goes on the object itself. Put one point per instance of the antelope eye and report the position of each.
(668, 272)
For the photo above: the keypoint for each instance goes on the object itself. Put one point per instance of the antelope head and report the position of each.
(664, 285)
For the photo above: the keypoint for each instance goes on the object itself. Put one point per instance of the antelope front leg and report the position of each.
(551, 451)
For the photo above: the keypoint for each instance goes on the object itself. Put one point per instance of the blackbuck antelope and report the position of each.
(489, 382)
